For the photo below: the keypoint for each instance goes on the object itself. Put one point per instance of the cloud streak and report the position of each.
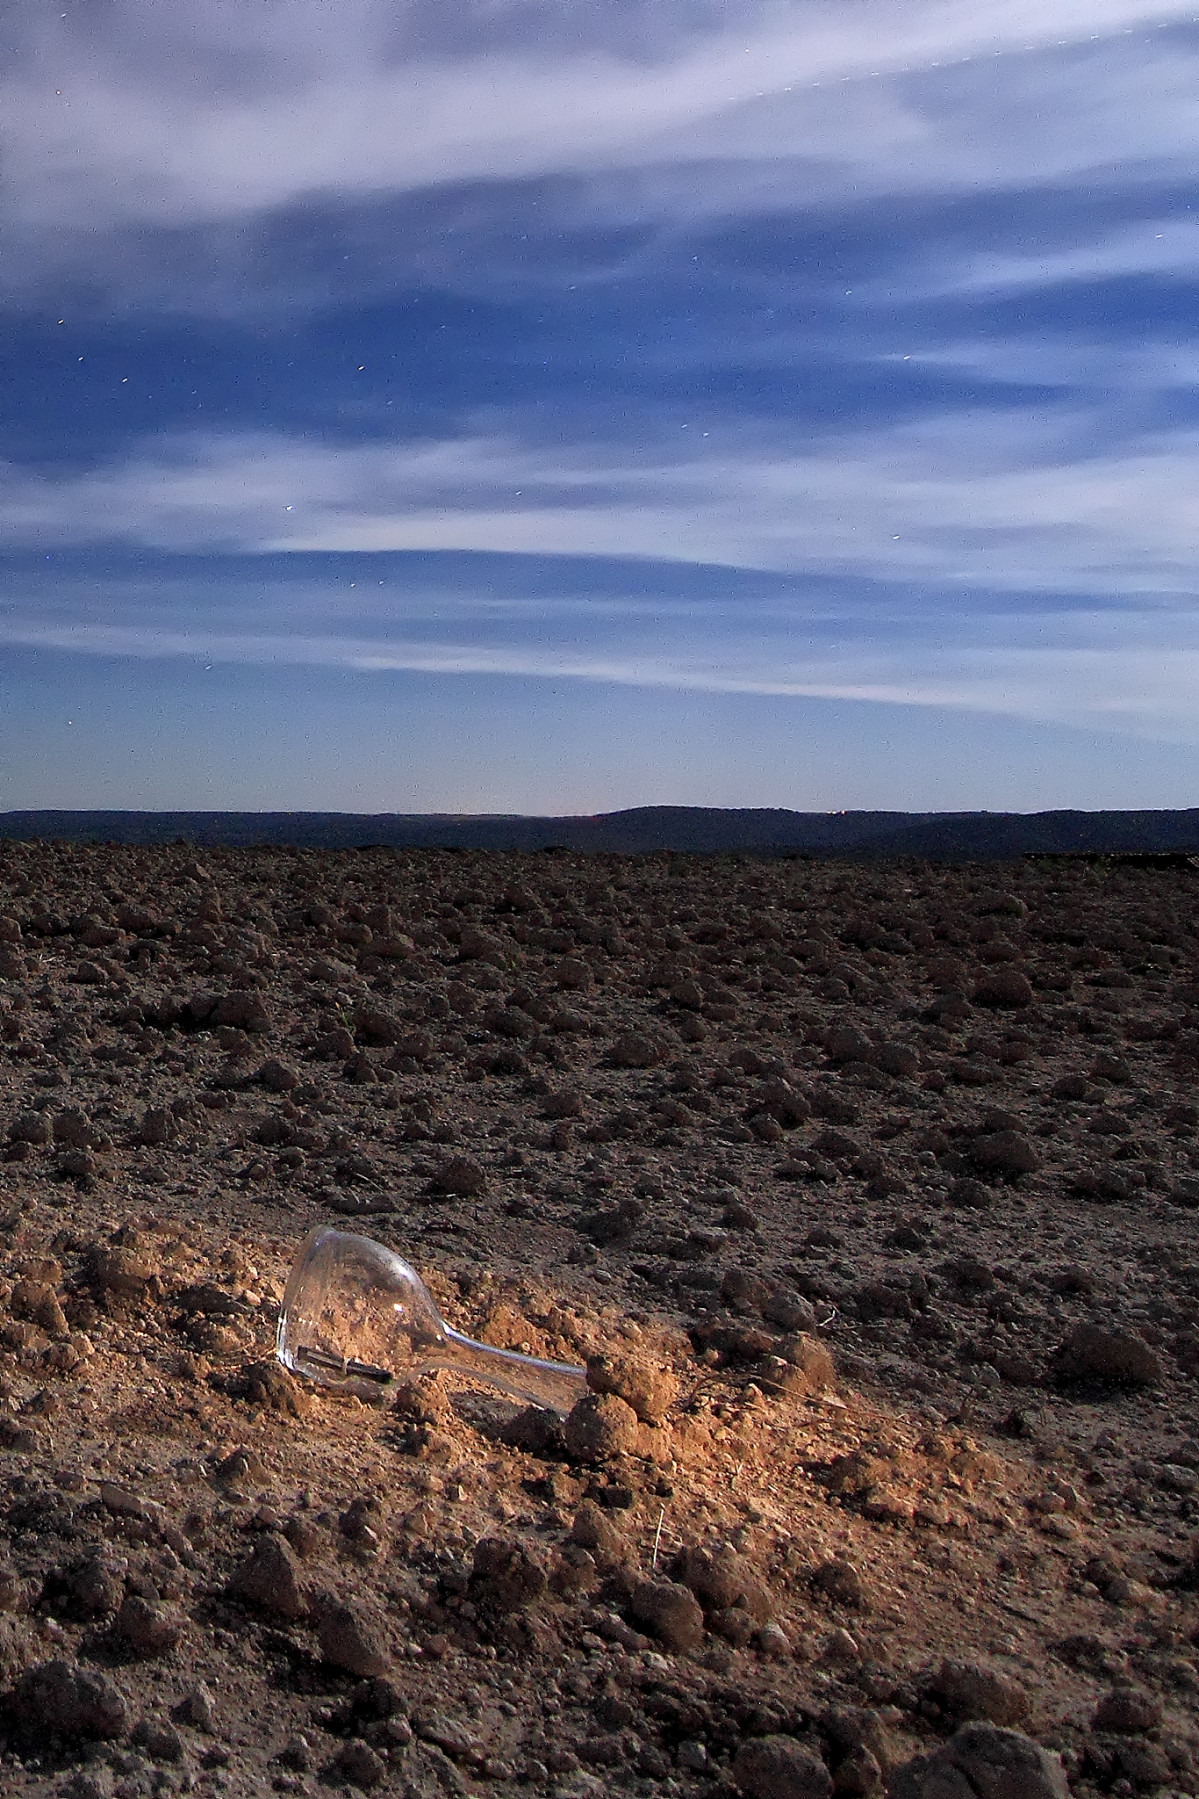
(1006, 501)
(1148, 692)
(194, 125)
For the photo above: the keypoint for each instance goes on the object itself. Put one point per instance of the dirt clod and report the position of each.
(270, 1578)
(670, 1612)
(648, 1389)
(779, 1767)
(984, 1761)
(970, 1689)
(59, 1699)
(351, 1641)
(1092, 1353)
(598, 1427)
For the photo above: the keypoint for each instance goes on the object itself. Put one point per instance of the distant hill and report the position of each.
(941, 836)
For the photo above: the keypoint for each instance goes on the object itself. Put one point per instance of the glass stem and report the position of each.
(554, 1385)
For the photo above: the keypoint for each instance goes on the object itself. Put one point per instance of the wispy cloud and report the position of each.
(1003, 501)
(1146, 690)
(163, 115)
(982, 564)
(1155, 247)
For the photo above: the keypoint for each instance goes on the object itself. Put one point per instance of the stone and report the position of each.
(860, 1775)
(614, 1224)
(742, 1291)
(734, 1625)
(461, 1176)
(358, 1764)
(845, 1043)
(56, 1697)
(534, 1430)
(362, 1522)
(1145, 1765)
(598, 1427)
(75, 1130)
(161, 1742)
(688, 994)
(809, 1365)
(269, 1384)
(1008, 1152)
(1004, 987)
(240, 1470)
(394, 946)
(789, 1311)
(840, 1648)
(897, 1059)
(505, 1575)
(982, 1761)
(841, 1582)
(88, 1588)
(721, 1578)
(1001, 902)
(650, 1390)
(1118, 1358)
(349, 1641)
(780, 1767)
(198, 1709)
(593, 1529)
(633, 1049)
(575, 1571)
(335, 1045)
(670, 1611)
(31, 1127)
(269, 1578)
(78, 1162)
(855, 1728)
(158, 1127)
(475, 945)
(511, 1021)
(295, 1754)
(277, 1076)
(451, 1735)
(572, 974)
(145, 1628)
(969, 1689)
(567, 1102)
(970, 1195)
(784, 1103)
(1107, 1067)
(773, 1642)
(242, 1009)
(1129, 1711)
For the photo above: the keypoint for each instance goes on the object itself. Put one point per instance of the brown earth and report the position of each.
(872, 1195)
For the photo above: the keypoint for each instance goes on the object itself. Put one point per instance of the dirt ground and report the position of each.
(869, 1196)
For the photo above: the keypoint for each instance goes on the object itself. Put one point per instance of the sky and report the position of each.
(539, 406)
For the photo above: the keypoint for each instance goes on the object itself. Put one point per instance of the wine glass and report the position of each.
(358, 1318)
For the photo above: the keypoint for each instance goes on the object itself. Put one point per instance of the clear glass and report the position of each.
(356, 1317)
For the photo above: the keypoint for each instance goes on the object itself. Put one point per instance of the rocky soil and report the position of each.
(869, 1196)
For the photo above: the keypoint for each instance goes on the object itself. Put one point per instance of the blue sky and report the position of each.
(543, 407)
